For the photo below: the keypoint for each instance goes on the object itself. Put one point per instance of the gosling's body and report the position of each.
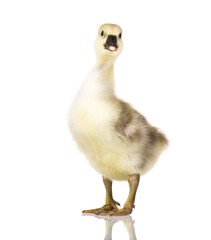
(117, 140)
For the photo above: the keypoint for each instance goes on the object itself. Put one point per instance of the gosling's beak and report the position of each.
(111, 43)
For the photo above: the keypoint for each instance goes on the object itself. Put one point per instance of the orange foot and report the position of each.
(103, 209)
(115, 212)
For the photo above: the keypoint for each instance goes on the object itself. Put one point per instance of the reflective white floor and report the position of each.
(128, 227)
(128, 224)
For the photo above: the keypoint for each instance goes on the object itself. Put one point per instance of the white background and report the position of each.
(46, 50)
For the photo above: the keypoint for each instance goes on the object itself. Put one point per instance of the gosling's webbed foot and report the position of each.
(116, 212)
(122, 212)
(105, 208)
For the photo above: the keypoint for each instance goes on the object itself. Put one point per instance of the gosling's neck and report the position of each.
(105, 79)
(99, 84)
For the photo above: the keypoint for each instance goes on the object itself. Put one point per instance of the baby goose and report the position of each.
(117, 140)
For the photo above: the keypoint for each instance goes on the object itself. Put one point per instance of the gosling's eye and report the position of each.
(120, 35)
(102, 33)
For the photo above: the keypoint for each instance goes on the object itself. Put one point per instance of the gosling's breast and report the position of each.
(91, 121)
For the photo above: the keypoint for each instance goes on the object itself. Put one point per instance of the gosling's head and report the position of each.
(108, 44)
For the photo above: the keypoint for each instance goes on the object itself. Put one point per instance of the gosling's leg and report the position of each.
(129, 205)
(110, 203)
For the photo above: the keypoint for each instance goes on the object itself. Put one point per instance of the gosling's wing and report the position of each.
(130, 125)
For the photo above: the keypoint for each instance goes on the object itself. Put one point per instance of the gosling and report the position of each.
(117, 140)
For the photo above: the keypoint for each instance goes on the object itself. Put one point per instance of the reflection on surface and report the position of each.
(128, 223)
